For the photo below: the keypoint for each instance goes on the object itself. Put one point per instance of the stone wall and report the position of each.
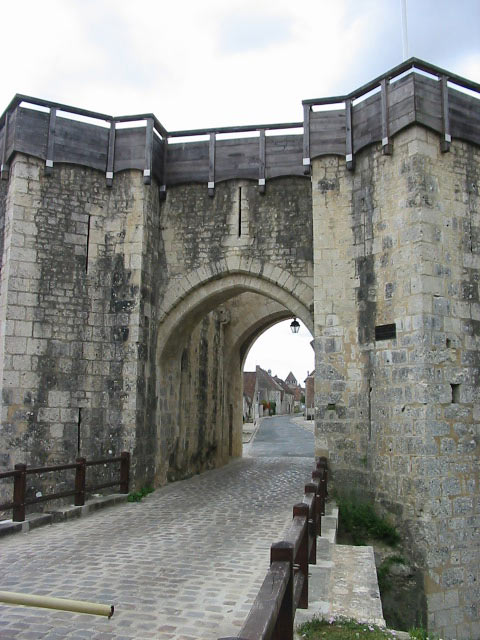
(275, 228)
(70, 301)
(216, 250)
(88, 271)
(3, 202)
(399, 415)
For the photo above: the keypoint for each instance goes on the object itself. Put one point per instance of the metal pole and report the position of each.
(62, 604)
(404, 30)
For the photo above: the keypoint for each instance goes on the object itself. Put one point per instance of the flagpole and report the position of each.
(404, 29)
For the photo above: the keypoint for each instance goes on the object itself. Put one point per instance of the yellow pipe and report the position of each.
(63, 604)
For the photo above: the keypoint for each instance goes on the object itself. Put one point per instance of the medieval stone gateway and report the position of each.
(139, 265)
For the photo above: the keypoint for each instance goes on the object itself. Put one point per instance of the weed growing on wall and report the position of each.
(342, 629)
(383, 572)
(137, 496)
(360, 520)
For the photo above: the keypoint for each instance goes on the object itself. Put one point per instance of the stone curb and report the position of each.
(34, 520)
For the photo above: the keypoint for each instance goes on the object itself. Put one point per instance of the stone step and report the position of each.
(344, 580)
(353, 591)
(68, 512)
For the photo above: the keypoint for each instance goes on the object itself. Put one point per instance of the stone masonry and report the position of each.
(399, 416)
(94, 360)
(126, 317)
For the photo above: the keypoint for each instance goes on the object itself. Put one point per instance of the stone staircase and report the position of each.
(344, 580)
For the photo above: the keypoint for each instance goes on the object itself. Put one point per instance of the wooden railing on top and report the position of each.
(373, 113)
(19, 475)
(285, 587)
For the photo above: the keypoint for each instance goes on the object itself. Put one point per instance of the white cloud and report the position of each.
(215, 63)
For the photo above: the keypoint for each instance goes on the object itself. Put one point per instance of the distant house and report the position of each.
(264, 394)
(297, 391)
(249, 381)
(291, 380)
(310, 396)
(288, 396)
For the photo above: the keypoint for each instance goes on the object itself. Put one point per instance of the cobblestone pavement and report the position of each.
(282, 436)
(184, 564)
(308, 425)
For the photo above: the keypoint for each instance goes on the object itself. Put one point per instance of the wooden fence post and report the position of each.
(19, 489)
(318, 474)
(124, 471)
(301, 509)
(80, 474)
(314, 523)
(323, 464)
(283, 552)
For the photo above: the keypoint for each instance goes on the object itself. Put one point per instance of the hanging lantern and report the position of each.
(295, 326)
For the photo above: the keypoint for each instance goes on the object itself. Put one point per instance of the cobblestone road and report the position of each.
(185, 564)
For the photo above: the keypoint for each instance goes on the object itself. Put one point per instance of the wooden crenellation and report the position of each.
(374, 113)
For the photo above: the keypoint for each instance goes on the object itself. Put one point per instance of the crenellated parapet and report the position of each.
(414, 92)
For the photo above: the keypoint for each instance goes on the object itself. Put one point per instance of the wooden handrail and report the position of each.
(285, 587)
(411, 63)
(21, 471)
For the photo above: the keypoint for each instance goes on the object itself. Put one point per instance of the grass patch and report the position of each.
(137, 496)
(341, 629)
(362, 523)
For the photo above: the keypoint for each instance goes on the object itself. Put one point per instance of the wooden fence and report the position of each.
(19, 475)
(285, 587)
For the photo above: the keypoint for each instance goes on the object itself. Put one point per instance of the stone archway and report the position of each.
(201, 344)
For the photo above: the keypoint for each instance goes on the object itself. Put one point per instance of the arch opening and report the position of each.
(201, 347)
(275, 367)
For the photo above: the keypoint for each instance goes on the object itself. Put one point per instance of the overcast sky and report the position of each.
(223, 62)
(220, 62)
(282, 351)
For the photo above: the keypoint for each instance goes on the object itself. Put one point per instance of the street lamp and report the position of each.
(295, 326)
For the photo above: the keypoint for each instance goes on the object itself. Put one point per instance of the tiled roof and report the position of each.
(265, 381)
(290, 379)
(284, 385)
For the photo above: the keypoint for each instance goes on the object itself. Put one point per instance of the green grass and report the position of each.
(137, 496)
(361, 521)
(341, 629)
(338, 628)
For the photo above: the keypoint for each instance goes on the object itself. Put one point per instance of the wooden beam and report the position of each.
(306, 139)
(411, 63)
(387, 146)
(446, 135)
(235, 129)
(51, 141)
(3, 158)
(19, 98)
(349, 136)
(163, 186)
(261, 162)
(144, 116)
(110, 154)
(211, 165)
(147, 171)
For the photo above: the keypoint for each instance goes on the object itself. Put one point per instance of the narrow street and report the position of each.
(282, 436)
(184, 564)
